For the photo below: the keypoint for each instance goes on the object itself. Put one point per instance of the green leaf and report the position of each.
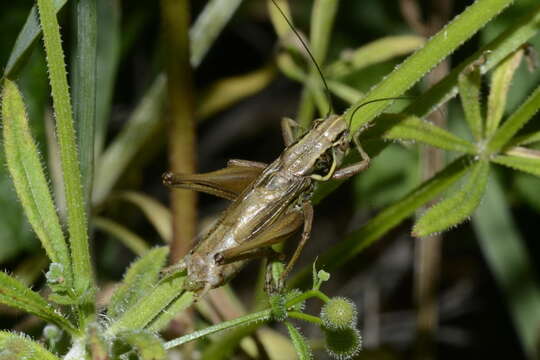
(470, 82)
(208, 25)
(410, 127)
(15, 294)
(228, 91)
(21, 347)
(76, 217)
(387, 219)
(130, 239)
(139, 279)
(147, 344)
(500, 84)
(151, 306)
(529, 165)
(146, 118)
(279, 22)
(322, 20)
(503, 45)
(83, 76)
(508, 258)
(303, 349)
(26, 40)
(515, 122)
(344, 91)
(457, 207)
(526, 139)
(460, 29)
(108, 57)
(172, 310)
(25, 167)
(158, 215)
(374, 52)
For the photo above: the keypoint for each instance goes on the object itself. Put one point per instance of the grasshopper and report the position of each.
(269, 202)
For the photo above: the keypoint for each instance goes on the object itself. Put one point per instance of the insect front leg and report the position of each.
(353, 169)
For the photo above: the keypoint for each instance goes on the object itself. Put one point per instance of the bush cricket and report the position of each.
(269, 202)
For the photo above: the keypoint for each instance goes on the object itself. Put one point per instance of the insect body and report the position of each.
(270, 202)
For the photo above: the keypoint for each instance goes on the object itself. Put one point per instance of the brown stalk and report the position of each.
(428, 249)
(176, 17)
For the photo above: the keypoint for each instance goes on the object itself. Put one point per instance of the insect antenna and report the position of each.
(310, 54)
(377, 100)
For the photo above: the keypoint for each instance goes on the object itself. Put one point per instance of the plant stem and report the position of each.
(76, 217)
(265, 315)
(307, 295)
(175, 16)
(305, 317)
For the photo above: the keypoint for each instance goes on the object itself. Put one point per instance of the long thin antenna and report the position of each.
(306, 47)
(377, 100)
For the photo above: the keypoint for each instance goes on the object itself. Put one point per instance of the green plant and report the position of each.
(144, 303)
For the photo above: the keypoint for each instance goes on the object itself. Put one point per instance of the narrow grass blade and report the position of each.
(20, 346)
(15, 294)
(158, 215)
(526, 139)
(108, 57)
(344, 91)
(26, 40)
(83, 76)
(500, 85)
(323, 16)
(510, 263)
(460, 29)
(303, 350)
(141, 124)
(457, 207)
(280, 24)
(226, 92)
(415, 129)
(138, 281)
(515, 122)
(470, 82)
(374, 52)
(150, 307)
(131, 240)
(388, 218)
(529, 165)
(146, 344)
(32, 188)
(76, 217)
(209, 25)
